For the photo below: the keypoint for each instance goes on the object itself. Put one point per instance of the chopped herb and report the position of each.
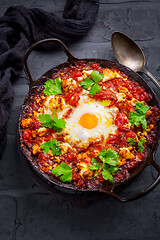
(141, 108)
(52, 87)
(106, 173)
(131, 141)
(140, 144)
(59, 124)
(96, 76)
(95, 88)
(54, 145)
(64, 171)
(48, 121)
(113, 169)
(109, 157)
(95, 165)
(139, 118)
(87, 83)
(108, 165)
(107, 176)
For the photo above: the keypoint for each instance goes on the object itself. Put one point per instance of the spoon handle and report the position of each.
(156, 82)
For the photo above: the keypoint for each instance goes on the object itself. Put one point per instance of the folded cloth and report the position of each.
(20, 27)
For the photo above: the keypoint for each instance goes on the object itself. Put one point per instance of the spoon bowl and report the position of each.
(129, 54)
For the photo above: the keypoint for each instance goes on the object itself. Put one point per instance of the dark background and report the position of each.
(29, 212)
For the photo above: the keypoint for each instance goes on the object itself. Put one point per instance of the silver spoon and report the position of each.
(128, 53)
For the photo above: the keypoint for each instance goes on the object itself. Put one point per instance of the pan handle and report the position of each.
(37, 44)
(142, 192)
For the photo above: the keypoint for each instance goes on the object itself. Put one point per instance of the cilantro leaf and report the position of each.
(131, 141)
(52, 87)
(53, 145)
(106, 173)
(113, 169)
(141, 108)
(144, 123)
(44, 118)
(136, 118)
(107, 176)
(86, 83)
(109, 157)
(64, 171)
(140, 144)
(95, 89)
(96, 76)
(59, 124)
(48, 121)
(95, 165)
(45, 147)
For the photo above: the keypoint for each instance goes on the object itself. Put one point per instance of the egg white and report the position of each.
(106, 117)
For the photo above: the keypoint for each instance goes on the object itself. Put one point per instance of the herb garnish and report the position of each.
(109, 157)
(64, 171)
(107, 172)
(140, 144)
(52, 87)
(141, 141)
(131, 141)
(95, 165)
(52, 122)
(108, 165)
(141, 108)
(54, 145)
(95, 88)
(138, 118)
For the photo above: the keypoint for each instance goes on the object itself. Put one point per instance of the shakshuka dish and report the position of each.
(88, 125)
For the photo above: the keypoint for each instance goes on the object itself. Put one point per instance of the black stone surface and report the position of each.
(29, 212)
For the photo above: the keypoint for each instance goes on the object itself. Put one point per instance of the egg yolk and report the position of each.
(88, 120)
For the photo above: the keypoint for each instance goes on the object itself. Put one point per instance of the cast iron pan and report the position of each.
(109, 188)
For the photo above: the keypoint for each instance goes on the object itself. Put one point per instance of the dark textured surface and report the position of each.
(27, 211)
